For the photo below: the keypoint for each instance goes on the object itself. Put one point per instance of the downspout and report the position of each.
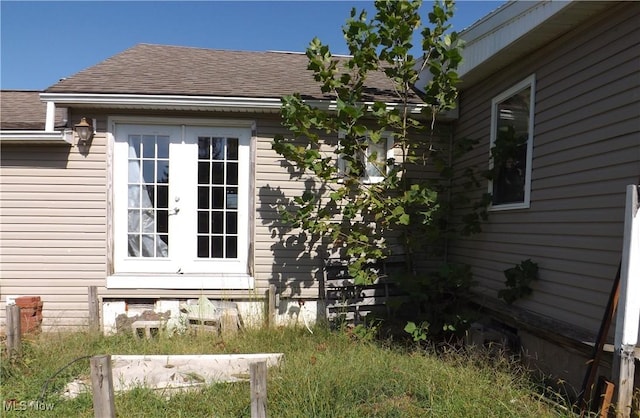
(49, 124)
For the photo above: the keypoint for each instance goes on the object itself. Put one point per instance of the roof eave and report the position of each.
(36, 137)
(182, 102)
(152, 101)
(514, 30)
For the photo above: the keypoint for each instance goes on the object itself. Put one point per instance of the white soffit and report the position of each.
(515, 29)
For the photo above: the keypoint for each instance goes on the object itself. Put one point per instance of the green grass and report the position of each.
(327, 374)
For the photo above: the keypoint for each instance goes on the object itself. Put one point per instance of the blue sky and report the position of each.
(41, 42)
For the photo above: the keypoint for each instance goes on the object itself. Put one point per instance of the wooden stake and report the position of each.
(94, 312)
(258, 372)
(14, 340)
(625, 361)
(102, 387)
(272, 305)
(592, 369)
(606, 391)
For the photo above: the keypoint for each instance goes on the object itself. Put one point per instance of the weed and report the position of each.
(324, 374)
(518, 283)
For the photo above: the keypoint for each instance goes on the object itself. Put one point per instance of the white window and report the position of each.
(512, 115)
(375, 159)
(181, 207)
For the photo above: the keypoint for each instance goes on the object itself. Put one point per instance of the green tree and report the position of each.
(362, 218)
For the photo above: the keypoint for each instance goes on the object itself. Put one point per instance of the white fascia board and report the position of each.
(159, 101)
(189, 102)
(37, 137)
(502, 27)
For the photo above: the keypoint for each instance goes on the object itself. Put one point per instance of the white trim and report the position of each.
(181, 102)
(181, 281)
(151, 120)
(529, 82)
(159, 101)
(38, 137)
(125, 265)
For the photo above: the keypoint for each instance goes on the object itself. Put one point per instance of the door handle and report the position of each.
(175, 210)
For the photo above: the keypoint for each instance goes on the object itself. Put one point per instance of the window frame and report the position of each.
(390, 154)
(530, 83)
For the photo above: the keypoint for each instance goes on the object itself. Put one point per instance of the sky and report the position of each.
(44, 41)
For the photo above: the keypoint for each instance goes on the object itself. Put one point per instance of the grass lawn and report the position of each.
(327, 374)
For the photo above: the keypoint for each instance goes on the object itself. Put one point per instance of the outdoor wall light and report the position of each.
(84, 131)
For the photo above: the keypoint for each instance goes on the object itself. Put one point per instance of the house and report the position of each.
(174, 197)
(565, 78)
(176, 194)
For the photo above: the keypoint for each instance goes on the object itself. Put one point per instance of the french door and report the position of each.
(181, 199)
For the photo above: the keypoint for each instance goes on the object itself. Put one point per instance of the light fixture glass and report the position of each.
(84, 130)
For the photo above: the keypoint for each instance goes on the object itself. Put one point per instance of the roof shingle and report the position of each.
(174, 70)
(23, 110)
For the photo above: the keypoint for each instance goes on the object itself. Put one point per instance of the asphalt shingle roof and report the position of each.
(23, 110)
(175, 70)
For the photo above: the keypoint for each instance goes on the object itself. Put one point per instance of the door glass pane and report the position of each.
(232, 148)
(217, 197)
(232, 173)
(162, 171)
(217, 148)
(134, 145)
(217, 249)
(134, 243)
(232, 198)
(163, 147)
(216, 222)
(148, 245)
(204, 148)
(232, 223)
(203, 172)
(203, 222)
(217, 173)
(203, 197)
(148, 146)
(203, 246)
(163, 221)
(148, 171)
(163, 196)
(148, 200)
(232, 247)
(165, 239)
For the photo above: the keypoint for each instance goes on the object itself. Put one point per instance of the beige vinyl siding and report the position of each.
(586, 150)
(53, 226)
(54, 210)
(280, 258)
